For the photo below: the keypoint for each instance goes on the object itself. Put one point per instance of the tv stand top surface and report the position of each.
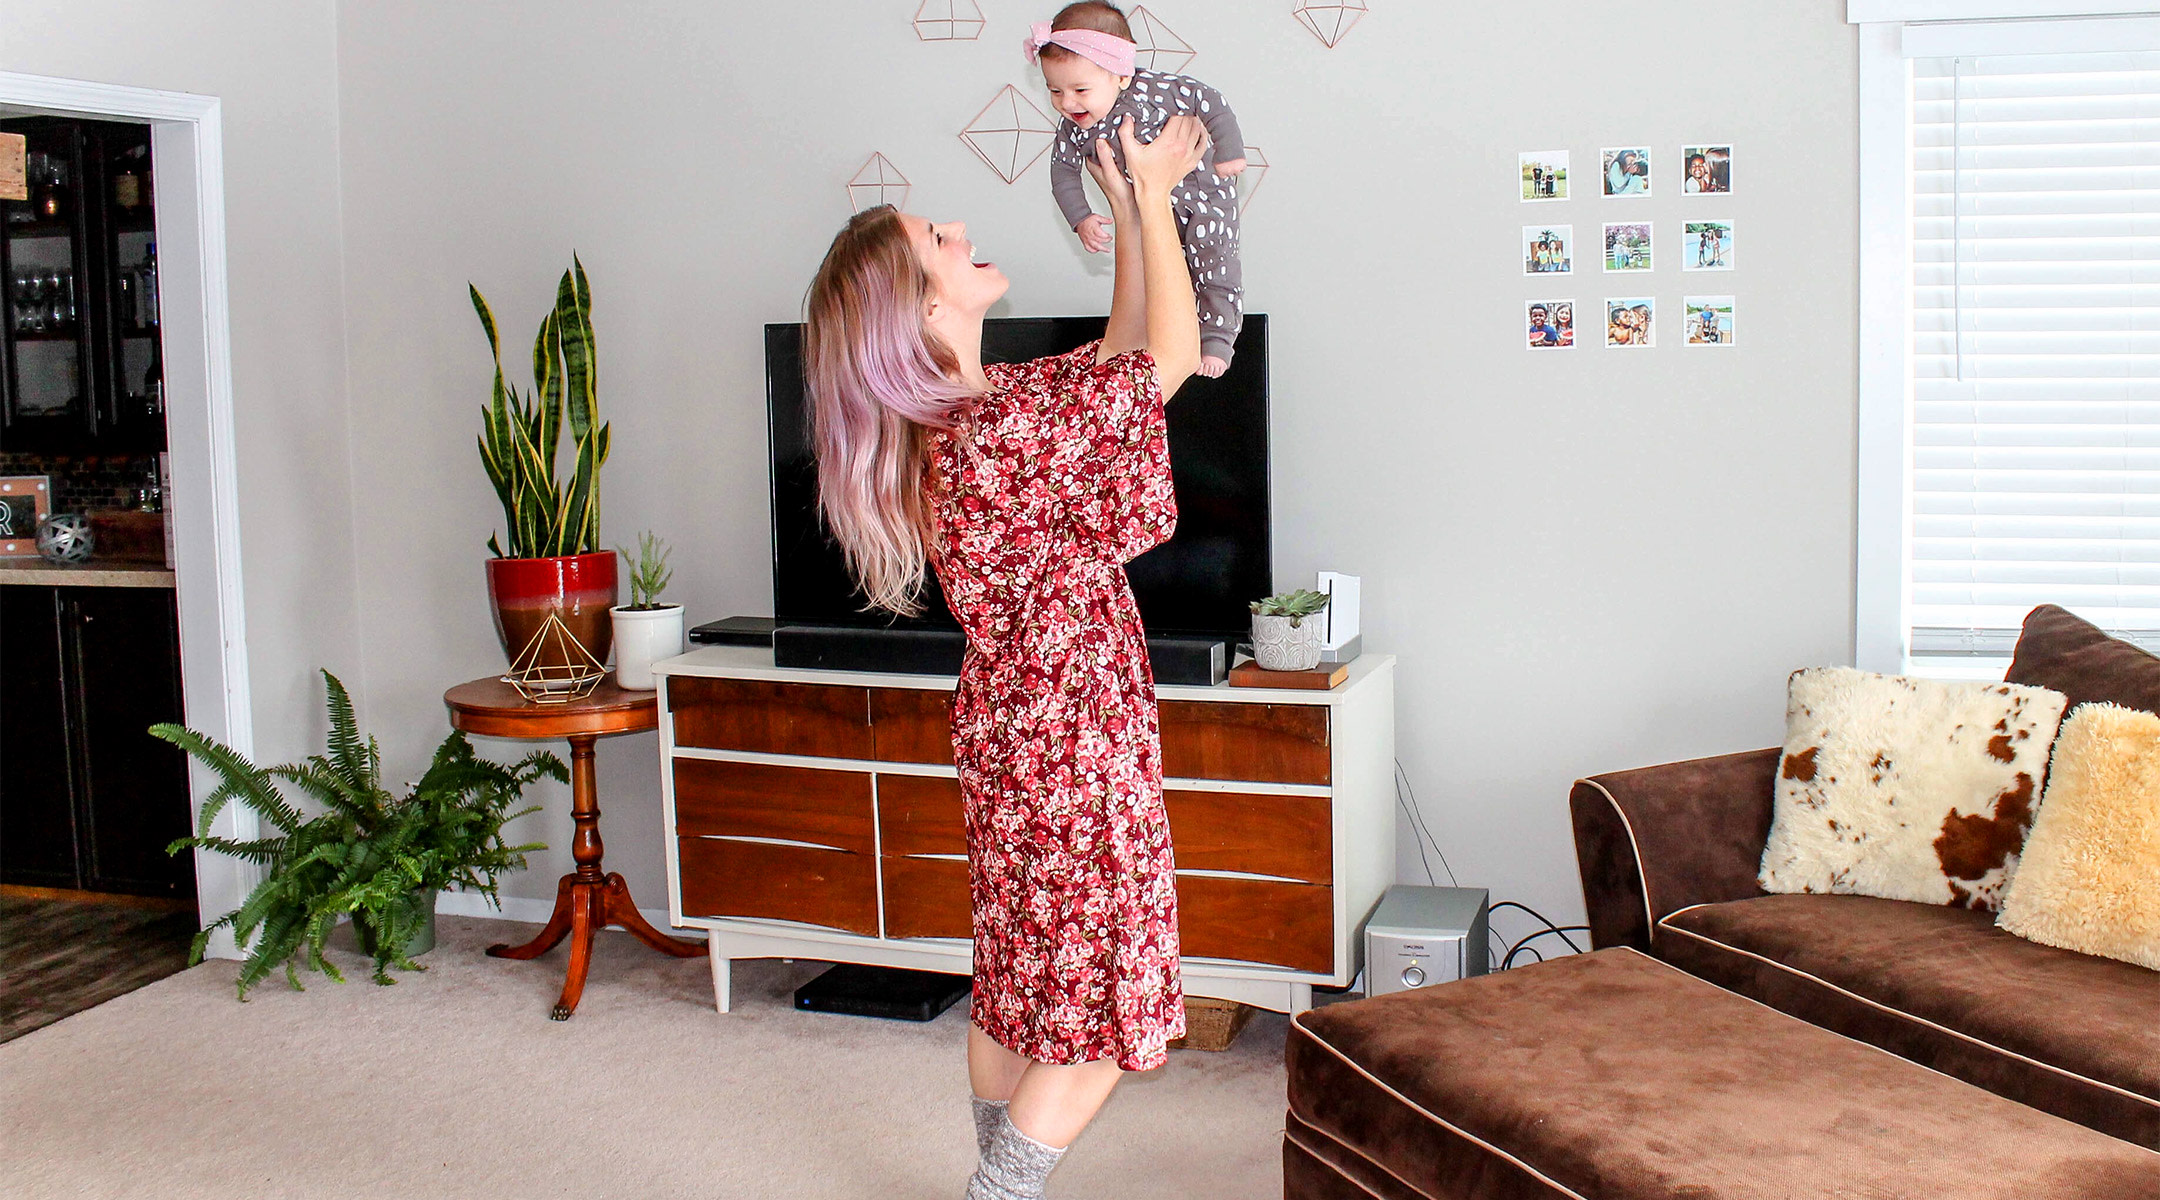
(756, 662)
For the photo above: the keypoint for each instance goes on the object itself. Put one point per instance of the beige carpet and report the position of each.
(455, 1084)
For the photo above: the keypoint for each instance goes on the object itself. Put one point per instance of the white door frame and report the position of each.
(188, 162)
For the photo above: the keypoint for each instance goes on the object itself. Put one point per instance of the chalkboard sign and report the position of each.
(23, 499)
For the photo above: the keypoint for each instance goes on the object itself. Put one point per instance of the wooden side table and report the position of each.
(586, 901)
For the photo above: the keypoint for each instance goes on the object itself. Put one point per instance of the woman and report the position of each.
(1027, 486)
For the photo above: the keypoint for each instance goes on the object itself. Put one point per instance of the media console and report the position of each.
(816, 814)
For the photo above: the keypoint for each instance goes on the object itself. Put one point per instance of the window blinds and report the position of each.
(2036, 345)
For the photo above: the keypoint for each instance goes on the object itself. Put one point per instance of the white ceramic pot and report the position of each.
(1278, 645)
(644, 636)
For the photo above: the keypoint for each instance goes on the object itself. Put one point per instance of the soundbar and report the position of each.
(1186, 660)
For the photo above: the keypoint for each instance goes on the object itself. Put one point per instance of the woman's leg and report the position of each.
(1049, 1103)
(1053, 1104)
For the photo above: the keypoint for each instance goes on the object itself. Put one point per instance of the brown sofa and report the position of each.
(1669, 856)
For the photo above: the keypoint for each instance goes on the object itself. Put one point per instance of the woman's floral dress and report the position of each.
(1064, 478)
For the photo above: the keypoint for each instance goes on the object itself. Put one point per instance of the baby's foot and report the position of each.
(1213, 367)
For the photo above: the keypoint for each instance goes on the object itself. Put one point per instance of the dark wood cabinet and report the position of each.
(90, 800)
(81, 368)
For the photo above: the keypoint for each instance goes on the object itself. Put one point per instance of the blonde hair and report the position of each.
(880, 381)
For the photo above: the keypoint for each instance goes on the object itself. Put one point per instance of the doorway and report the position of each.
(163, 358)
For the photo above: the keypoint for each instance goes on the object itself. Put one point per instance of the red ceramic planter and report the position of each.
(579, 588)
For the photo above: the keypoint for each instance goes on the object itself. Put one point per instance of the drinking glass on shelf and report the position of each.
(30, 292)
(56, 312)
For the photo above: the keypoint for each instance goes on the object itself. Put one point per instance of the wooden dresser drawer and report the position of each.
(722, 877)
(927, 897)
(1265, 743)
(1253, 920)
(920, 814)
(1289, 836)
(802, 804)
(912, 725)
(817, 720)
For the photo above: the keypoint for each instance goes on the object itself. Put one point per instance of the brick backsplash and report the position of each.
(85, 483)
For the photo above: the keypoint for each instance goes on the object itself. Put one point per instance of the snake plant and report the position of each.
(548, 516)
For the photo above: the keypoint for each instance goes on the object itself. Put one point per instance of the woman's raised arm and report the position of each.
(1127, 329)
(1172, 321)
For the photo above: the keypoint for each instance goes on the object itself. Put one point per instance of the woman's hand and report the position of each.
(1115, 187)
(1157, 166)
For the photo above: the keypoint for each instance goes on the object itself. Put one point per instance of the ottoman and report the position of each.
(1611, 1076)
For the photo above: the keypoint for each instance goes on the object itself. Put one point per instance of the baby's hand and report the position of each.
(1094, 231)
(1230, 167)
(1212, 367)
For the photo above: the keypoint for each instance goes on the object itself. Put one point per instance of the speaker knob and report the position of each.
(1413, 976)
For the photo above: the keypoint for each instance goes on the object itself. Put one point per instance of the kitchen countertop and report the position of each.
(112, 572)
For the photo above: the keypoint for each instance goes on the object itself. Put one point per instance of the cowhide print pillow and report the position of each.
(1908, 789)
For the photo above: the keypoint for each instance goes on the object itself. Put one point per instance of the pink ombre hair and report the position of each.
(880, 382)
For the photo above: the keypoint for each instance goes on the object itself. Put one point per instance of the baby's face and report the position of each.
(1082, 90)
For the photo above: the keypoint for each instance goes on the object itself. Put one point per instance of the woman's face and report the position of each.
(948, 257)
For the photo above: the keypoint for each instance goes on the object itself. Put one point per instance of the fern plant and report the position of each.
(548, 517)
(366, 852)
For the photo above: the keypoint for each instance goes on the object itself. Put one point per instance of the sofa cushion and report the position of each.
(1907, 789)
(2063, 652)
(1615, 1076)
(2069, 1033)
(2089, 879)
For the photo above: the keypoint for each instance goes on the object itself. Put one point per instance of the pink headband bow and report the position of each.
(1106, 50)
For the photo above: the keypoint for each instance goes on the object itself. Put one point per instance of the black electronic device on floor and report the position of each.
(856, 990)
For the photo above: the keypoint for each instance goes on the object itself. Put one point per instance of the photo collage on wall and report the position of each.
(1624, 244)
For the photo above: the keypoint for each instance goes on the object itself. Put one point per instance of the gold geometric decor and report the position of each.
(554, 667)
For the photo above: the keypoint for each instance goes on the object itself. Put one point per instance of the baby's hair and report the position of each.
(1098, 15)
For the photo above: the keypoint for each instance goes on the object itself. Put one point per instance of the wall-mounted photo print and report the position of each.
(1544, 175)
(1709, 320)
(1629, 322)
(1548, 249)
(1706, 246)
(1627, 171)
(1706, 170)
(1551, 324)
(1627, 246)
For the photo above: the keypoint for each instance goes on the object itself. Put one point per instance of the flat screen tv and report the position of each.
(1196, 584)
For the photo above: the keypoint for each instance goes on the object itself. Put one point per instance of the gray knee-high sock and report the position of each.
(987, 1115)
(1015, 1166)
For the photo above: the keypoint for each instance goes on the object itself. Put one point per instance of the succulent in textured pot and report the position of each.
(369, 854)
(1282, 638)
(554, 564)
(646, 630)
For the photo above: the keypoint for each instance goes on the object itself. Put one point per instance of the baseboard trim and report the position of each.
(520, 908)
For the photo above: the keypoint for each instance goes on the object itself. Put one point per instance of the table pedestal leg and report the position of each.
(587, 900)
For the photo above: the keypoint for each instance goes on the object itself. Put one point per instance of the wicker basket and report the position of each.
(1211, 1024)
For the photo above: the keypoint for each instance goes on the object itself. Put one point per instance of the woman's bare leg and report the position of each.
(1053, 1103)
(1050, 1103)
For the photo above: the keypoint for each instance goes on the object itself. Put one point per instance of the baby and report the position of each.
(1087, 60)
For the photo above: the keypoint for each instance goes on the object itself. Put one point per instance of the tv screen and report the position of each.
(1197, 583)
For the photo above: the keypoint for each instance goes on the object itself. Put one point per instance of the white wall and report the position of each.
(274, 65)
(1585, 561)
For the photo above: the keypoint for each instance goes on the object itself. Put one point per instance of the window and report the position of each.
(2026, 445)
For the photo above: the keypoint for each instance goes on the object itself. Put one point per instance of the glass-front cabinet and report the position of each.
(82, 369)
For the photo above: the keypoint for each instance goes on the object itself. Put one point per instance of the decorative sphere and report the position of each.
(64, 538)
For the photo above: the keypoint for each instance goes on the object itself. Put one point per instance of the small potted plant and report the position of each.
(368, 854)
(646, 630)
(1282, 639)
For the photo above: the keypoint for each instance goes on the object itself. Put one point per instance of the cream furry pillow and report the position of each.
(2090, 879)
(1908, 789)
